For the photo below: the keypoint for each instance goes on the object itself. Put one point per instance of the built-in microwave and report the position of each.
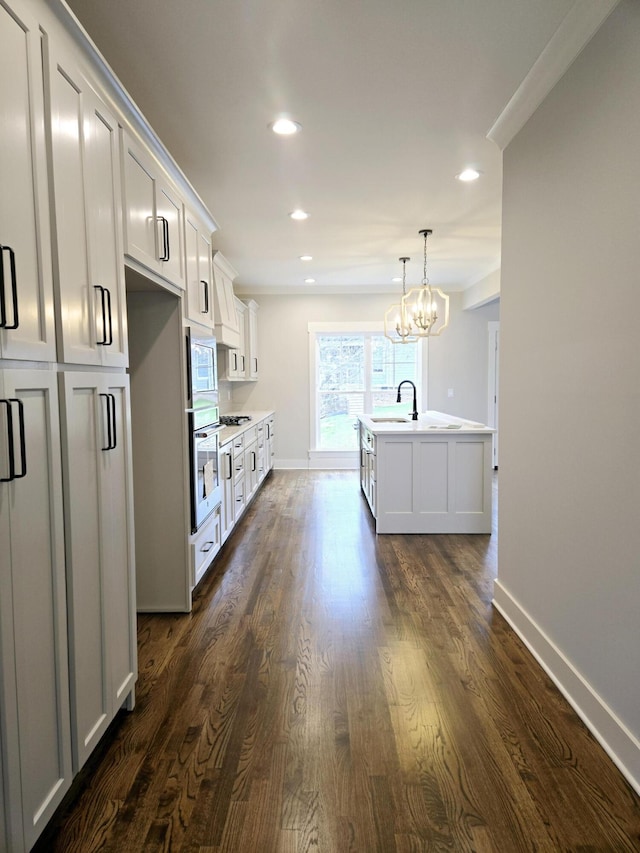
(202, 380)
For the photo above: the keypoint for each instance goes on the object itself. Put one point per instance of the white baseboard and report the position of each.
(615, 738)
(286, 464)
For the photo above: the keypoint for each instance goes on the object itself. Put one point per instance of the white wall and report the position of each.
(458, 360)
(569, 545)
(460, 357)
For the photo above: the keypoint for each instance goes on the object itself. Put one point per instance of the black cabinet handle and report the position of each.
(166, 254)
(243, 368)
(14, 290)
(112, 438)
(109, 340)
(253, 464)
(107, 320)
(230, 474)
(235, 360)
(207, 547)
(13, 474)
(206, 296)
(113, 417)
(255, 358)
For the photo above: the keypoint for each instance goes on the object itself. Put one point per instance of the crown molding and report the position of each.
(579, 26)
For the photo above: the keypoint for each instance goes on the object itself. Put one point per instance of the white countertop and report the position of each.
(227, 433)
(428, 422)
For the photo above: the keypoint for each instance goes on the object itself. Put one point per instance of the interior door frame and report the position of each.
(493, 401)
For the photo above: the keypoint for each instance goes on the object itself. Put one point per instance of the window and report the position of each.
(356, 373)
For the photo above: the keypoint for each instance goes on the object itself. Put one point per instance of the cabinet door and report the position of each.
(106, 254)
(205, 267)
(99, 552)
(86, 189)
(226, 477)
(33, 618)
(199, 275)
(169, 213)
(141, 231)
(26, 315)
(251, 341)
(251, 470)
(236, 357)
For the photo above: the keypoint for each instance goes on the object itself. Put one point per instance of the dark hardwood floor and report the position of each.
(337, 691)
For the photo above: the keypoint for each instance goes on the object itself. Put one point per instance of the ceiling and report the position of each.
(395, 97)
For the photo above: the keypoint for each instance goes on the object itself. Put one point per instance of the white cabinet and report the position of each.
(225, 466)
(199, 273)
(34, 678)
(205, 544)
(99, 552)
(251, 340)
(86, 191)
(226, 325)
(26, 305)
(269, 443)
(250, 463)
(368, 466)
(239, 478)
(241, 363)
(153, 216)
(234, 360)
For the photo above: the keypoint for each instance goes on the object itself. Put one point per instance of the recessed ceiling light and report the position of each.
(306, 257)
(299, 214)
(285, 127)
(468, 175)
(309, 281)
(396, 280)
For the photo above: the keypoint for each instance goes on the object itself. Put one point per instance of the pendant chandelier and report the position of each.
(397, 322)
(425, 308)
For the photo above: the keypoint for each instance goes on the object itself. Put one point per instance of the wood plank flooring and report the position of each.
(336, 691)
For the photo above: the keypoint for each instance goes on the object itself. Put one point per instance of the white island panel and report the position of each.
(433, 479)
(470, 477)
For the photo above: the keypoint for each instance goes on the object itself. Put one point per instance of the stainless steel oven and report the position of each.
(204, 427)
(206, 490)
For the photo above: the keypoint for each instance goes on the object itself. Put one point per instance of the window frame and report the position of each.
(321, 458)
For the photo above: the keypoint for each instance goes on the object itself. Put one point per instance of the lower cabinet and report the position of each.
(205, 544)
(225, 468)
(34, 676)
(99, 552)
(239, 478)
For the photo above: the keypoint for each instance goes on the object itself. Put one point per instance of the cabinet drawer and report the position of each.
(238, 446)
(250, 435)
(205, 545)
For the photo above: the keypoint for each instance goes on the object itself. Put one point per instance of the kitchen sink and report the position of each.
(390, 420)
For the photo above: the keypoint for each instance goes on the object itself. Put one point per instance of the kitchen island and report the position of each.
(431, 475)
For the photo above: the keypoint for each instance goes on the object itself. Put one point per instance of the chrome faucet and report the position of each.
(414, 413)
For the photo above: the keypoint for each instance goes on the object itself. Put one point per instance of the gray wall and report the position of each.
(569, 545)
(457, 359)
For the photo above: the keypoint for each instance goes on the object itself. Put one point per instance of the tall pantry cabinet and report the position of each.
(67, 601)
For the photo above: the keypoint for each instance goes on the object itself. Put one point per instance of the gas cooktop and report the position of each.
(234, 420)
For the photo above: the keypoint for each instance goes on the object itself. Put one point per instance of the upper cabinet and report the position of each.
(88, 221)
(153, 216)
(240, 363)
(251, 340)
(26, 291)
(227, 324)
(199, 273)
